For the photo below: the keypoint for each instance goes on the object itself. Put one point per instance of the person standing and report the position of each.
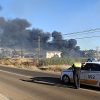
(76, 74)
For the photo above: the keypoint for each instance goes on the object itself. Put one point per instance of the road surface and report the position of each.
(19, 84)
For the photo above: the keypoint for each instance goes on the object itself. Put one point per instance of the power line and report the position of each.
(91, 30)
(73, 33)
(81, 38)
(88, 37)
(56, 40)
(82, 32)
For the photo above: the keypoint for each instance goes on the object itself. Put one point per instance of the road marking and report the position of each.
(32, 76)
(16, 74)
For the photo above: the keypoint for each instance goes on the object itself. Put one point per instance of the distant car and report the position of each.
(90, 74)
(92, 59)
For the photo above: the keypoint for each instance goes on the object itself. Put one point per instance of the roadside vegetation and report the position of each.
(51, 64)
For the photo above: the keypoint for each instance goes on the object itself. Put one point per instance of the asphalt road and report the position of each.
(19, 84)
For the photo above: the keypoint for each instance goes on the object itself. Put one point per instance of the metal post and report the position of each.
(38, 48)
(21, 50)
(97, 53)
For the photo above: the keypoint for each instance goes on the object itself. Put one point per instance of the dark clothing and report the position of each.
(76, 70)
(76, 76)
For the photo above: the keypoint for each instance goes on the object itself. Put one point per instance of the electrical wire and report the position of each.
(73, 33)
(89, 37)
(91, 30)
(81, 32)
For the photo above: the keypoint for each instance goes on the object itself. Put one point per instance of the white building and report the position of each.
(53, 54)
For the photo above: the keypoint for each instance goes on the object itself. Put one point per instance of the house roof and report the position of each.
(54, 51)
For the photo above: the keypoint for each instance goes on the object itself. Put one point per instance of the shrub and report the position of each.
(60, 61)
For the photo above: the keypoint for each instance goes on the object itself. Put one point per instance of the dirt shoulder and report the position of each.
(46, 69)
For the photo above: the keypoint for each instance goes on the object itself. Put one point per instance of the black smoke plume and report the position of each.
(16, 32)
(13, 31)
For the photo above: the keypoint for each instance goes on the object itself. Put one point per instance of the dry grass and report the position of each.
(55, 68)
(31, 64)
(58, 68)
(19, 62)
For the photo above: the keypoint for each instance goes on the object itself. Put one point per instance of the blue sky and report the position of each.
(65, 16)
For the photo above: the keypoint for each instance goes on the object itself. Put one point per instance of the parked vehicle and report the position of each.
(90, 74)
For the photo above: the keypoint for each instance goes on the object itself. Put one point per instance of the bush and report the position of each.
(60, 61)
(57, 61)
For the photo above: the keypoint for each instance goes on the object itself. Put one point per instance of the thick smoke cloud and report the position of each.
(34, 34)
(44, 36)
(58, 41)
(56, 36)
(16, 31)
(72, 43)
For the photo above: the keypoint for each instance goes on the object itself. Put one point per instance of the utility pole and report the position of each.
(2, 52)
(38, 48)
(21, 50)
(97, 52)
